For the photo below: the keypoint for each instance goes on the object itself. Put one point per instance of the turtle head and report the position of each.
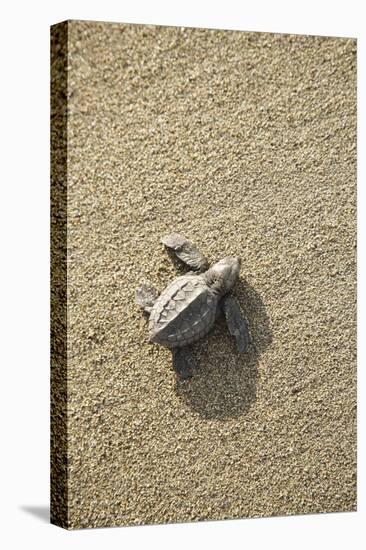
(223, 275)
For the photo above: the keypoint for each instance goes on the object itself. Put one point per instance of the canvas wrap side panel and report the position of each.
(59, 476)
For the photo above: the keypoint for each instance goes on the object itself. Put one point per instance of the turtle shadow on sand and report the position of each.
(224, 384)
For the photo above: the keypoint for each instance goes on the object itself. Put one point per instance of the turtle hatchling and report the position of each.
(188, 307)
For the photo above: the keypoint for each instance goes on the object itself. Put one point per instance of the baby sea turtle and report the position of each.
(188, 307)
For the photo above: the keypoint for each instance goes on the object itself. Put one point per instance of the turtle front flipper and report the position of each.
(186, 251)
(145, 297)
(236, 323)
(183, 362)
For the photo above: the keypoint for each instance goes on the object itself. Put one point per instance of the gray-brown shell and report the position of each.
(184, 312)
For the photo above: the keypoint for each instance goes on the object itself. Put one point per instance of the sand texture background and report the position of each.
(246, 144)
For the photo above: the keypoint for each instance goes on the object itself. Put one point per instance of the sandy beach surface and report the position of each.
(246, 144)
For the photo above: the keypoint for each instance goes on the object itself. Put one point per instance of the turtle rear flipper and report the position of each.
(236, 323)
(145, 297)
(186, 251)
(183, 362)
